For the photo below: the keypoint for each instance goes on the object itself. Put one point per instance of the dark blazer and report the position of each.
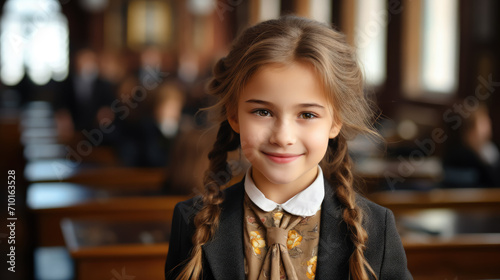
(223, 256)
(84, 113)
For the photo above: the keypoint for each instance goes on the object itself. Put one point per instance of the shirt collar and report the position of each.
(306, 203)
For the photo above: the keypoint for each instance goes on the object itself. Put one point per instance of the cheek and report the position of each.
(317, 140)
(252, 131)
(251, 137)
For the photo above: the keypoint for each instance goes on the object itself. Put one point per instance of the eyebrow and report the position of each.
(302, 105)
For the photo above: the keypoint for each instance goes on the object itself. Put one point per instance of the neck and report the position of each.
(281, 193)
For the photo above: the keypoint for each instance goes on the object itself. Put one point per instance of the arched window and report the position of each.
(33, 39)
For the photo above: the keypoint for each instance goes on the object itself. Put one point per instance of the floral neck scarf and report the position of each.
(279, 245)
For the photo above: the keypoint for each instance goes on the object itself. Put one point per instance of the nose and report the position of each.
(283, 133)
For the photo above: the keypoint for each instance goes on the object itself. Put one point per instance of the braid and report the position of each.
(206, 220)
(340, 163)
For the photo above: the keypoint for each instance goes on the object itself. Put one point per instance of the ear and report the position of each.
(233, 122)
(335, 130)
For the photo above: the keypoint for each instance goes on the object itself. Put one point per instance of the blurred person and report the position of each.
(112, 67)
(189, 160)
(149, 72)
(147, 123)
(85, 98)
(197, 97)
(169, 105)
(473, 160)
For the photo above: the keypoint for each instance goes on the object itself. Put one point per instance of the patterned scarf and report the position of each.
(279, 245)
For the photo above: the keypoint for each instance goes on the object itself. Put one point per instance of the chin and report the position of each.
(280, 179)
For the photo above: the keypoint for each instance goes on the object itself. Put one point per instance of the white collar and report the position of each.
(306, 203)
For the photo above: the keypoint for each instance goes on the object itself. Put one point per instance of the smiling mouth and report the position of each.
(282, 158)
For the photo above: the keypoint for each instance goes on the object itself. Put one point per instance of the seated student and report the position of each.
(146, 131)
(85, 97)
(473, 160)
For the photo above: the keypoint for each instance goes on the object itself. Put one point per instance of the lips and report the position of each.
(282, 158)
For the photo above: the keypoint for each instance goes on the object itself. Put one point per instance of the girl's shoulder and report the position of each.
(370, 210)
(370, 207)
(376, 217)
(188, 208)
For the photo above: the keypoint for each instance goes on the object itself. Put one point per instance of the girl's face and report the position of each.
(285, 121)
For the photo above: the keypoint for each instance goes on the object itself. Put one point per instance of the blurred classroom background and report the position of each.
(100, 125)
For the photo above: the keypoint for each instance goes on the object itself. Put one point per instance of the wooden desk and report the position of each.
(130, 209)
(121, 262)
(473, 256)
(79, 202)
(108, 249)
(377, 168)
(401, 201)
(457, 252)
(448, 233)
(61, 170)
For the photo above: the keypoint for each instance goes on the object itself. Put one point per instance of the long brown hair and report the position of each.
(283, 41)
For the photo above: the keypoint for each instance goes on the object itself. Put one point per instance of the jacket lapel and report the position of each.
(225, 254)
(334, 249)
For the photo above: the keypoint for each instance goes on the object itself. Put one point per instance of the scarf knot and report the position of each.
(276, 235)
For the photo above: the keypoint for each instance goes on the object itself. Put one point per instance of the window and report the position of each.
(269, 9)
(439, 46)
(148, 23)
(34, 38)
(430, 48)
(321, 10)
(365, 24)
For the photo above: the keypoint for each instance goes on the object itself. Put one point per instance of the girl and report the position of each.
(290, 95)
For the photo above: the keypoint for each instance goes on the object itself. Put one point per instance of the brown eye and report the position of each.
(307, 116)
(262, 113)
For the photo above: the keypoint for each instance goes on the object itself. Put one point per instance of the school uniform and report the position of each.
(224, 255)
